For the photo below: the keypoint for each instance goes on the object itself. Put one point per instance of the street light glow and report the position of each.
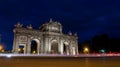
(1, 47)
(86, 50)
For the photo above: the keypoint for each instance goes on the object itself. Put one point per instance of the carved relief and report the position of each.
(22, 39)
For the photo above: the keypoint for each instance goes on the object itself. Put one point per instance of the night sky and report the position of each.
(86, 17)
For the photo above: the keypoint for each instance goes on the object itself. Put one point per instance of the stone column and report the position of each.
(49, 45)
(67, 51)
(76, 47)
(38, 47)
(16, 44)
(28, 45)
(41, 46)
(46, 45)
(25, 48)
(61, 46)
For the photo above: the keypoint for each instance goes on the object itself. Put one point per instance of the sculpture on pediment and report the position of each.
(30, 26)
(18, 25)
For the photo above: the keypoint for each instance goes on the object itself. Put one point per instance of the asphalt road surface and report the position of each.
(59, 62)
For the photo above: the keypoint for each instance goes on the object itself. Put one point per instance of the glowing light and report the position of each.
(86, 50)
(1, 47)
(2, 51)
(19, 49)
(102, 51)
(34, 52)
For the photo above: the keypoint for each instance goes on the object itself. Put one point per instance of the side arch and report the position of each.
(66, 47)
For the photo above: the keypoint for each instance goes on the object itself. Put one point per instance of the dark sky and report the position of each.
(86, 17)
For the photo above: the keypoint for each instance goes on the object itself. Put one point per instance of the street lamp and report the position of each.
(86, 50)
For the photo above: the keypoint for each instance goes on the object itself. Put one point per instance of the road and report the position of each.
(59, 61)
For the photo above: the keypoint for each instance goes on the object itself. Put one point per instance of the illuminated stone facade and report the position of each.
(48, 39)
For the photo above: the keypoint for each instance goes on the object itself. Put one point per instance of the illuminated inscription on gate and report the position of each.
(23, 39)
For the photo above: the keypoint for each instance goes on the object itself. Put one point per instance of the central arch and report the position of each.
(35, 45)
(54, 47)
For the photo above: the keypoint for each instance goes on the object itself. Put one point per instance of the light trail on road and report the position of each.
(58, 55)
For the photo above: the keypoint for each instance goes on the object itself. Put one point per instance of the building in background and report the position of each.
(48, 39)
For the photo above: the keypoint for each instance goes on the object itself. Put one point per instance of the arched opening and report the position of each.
(21, 49)
(54, 47)
(35, 46)
(66, 48)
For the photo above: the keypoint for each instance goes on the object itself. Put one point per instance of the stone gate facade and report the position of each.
(48, 39)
